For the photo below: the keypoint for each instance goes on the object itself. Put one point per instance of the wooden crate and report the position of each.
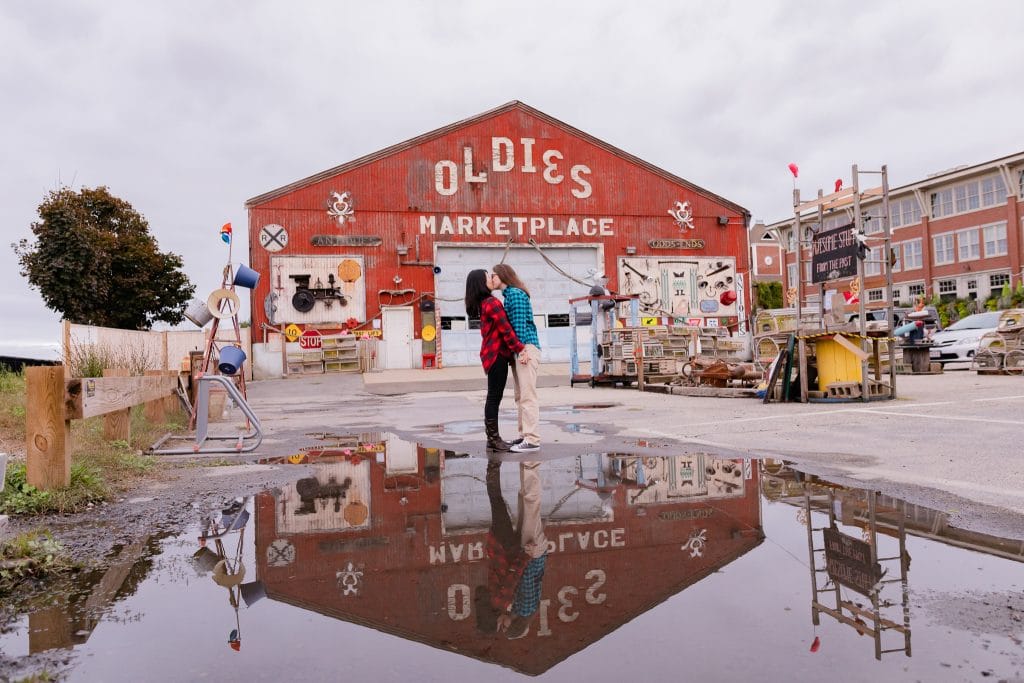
(621, 368)
(664, 366)
(341, 365)
(313, 367)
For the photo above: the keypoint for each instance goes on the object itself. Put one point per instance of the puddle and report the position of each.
(655, 565)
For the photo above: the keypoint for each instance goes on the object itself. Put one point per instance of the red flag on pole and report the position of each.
(794, 169)
(839, 184)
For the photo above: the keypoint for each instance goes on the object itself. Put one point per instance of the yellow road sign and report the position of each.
(292, 332)
(649, 322)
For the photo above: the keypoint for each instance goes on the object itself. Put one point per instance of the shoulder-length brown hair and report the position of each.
(507, 274)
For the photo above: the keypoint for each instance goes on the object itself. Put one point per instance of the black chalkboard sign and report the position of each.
(834, 254)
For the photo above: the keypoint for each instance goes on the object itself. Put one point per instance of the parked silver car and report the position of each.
(959, 342)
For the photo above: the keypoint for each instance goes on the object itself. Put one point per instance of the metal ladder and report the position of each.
(244, 443)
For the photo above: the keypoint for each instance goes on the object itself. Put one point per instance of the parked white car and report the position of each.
(959, 342)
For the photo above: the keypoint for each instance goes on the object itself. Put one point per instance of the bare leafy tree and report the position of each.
(94, 261)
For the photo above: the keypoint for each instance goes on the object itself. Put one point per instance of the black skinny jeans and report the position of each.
(497, 377)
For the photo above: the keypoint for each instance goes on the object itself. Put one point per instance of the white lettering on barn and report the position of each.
(519, 226)
(503, 160)
(569, 540)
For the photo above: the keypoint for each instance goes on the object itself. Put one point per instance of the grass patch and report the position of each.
(100, 469)
(31, 556)
(12, 410)
(21, 498)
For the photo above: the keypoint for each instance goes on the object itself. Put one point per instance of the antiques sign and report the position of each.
(834, 254)
(675, 244)
(345, 241)
(848, 562)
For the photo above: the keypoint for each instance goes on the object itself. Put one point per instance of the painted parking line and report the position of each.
(940, 417)
(999, 398)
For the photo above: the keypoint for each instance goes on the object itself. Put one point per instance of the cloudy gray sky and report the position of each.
(186, 109)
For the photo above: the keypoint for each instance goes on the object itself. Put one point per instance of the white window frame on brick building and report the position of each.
(913, 254)
(904, 212)
(968, 244)
(876, 294)
(915, 289)
(946, 287)
(995, 239)
(946, 252)
(873, 263)
(996, 281)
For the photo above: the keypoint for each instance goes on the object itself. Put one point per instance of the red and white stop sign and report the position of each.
(310, 339)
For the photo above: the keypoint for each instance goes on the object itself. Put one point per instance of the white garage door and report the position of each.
(549, 293)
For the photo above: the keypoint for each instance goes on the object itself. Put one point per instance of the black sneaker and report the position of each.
(526, 447)
(516, 441)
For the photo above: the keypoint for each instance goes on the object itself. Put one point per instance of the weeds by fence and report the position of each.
(89, 360)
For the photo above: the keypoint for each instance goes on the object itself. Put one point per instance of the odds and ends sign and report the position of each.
(834, 255)
(848, 562)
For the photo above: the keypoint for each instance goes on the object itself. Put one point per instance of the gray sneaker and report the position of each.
(526, 447)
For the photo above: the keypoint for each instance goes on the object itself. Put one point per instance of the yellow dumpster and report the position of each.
(835, 364)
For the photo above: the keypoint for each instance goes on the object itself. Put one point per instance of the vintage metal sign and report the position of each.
(273, 237)
(834, 254)
(675, 244)
(345, 241)
(848, 562)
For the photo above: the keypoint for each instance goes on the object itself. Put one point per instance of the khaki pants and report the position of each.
(525, 379)
(531, 528)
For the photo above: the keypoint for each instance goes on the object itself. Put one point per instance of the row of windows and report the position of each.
(996, 281)
(968, 196)
(966, 245)
(961, 198)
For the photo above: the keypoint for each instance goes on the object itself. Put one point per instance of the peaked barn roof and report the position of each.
(440, 132)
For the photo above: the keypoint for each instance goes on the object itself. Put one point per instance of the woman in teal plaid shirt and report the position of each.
(524, 373)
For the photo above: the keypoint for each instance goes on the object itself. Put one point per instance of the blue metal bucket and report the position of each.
(246, 277)
(231, 359)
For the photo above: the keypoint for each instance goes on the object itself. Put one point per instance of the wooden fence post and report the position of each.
(118, 424)
(47, 430)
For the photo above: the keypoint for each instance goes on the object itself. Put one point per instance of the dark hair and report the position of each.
(507, 274)
(476, 291)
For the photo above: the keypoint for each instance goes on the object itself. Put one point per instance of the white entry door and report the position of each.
(397, 324)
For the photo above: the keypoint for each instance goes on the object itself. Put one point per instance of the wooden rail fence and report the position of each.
(52, 402)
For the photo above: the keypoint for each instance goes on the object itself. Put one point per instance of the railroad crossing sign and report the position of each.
(310, 339)
(273, 237)
(292, 332)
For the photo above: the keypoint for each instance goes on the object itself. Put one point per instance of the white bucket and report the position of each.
(198, 312)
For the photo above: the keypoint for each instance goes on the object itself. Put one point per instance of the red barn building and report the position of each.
(382, 245)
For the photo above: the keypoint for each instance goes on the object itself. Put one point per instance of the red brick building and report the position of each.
(958, 234)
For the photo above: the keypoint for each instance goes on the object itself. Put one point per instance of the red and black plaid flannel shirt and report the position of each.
(499, 339)
(504, 569)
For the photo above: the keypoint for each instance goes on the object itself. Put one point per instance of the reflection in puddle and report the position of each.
(700, 555)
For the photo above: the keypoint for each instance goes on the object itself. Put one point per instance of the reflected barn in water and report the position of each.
(393, 536)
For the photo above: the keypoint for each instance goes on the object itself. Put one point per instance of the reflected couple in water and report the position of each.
(516, 555)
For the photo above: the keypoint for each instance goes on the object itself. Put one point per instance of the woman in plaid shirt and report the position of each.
(520, 315)
(497, 349)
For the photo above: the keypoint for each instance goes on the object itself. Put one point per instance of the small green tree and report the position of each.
(94, 261)
(769, 294)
